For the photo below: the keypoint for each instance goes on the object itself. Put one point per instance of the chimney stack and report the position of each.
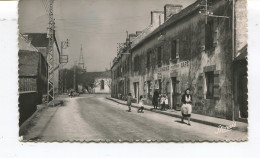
(139, 32)
(157, 18)
(132, 36)
(171, 9)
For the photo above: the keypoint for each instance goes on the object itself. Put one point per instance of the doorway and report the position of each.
(136, 91)
(174, 93)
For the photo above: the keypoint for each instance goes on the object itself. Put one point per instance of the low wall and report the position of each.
(27, 104)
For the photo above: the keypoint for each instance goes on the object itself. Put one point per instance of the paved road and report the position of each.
(94, 118)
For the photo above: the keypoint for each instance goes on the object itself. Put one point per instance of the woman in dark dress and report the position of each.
(155, 99)
(186, 107)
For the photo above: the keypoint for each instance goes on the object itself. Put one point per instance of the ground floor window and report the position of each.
(209, 84)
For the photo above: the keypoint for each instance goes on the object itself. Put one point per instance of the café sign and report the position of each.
(175, 66)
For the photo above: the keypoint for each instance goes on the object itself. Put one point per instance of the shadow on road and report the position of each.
(178, 121)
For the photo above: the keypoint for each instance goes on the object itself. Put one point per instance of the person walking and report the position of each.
(129, 101)
(141, 103)
(155, 99)
(186, 107)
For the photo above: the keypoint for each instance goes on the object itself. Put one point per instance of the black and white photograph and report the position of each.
(133, 71)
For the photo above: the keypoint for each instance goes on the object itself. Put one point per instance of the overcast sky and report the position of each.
(96, 24)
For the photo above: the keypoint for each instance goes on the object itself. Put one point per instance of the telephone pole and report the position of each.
(62, 61)
(50, 55)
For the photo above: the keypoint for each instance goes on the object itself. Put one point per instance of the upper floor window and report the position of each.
(136, 63)
(173, 49)
(211, 34)
(148, 59)
(159, 56)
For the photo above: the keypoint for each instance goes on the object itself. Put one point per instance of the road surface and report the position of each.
(94, 118)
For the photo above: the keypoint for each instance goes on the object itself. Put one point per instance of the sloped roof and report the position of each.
(173, 19)
(28, 63)
(24, 44)
(242, 54)
(38, 39)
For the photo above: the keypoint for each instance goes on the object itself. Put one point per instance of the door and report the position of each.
(242, 96)
(174, 93)
(168, 93)
(136, 91)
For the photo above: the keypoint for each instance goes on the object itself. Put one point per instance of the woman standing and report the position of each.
(186, 107)
(155, 99)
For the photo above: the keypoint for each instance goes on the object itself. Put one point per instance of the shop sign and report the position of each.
(175, 66)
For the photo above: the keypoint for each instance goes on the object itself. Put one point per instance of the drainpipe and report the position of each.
(233, 57)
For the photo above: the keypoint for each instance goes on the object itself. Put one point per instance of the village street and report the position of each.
(94, 118)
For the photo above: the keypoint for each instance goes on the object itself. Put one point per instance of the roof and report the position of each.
(173, 19)
(242, 54)
(38, 39)
(28, 63)
(24, 44)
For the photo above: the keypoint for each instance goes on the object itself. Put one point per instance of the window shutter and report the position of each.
(177, 48)
(216, 93)
(145, 58)
(215, 32)
(200, 86)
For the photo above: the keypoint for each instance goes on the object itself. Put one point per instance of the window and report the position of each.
(209, 35)
(173, 49)
(136, 63)
(159, 56)
(209, 84)
(148, 59)
(149, 89)
(102, 84)
(160, 86)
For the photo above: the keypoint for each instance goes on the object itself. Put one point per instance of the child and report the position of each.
(141, 103)
(166, 102)
(129, 100)
(162, 102)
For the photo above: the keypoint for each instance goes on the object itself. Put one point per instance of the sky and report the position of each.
(96, 24)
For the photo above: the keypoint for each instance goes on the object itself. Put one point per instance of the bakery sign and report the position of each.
(179, 65)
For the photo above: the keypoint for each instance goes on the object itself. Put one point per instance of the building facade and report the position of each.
(190, 50)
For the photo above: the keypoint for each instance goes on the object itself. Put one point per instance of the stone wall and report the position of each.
(192, 63)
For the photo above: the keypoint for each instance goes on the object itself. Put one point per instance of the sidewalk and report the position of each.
(212, 121)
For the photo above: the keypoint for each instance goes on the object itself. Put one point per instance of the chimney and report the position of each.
(138, 33)
(157, 18)
(171, 9)
(132, 36)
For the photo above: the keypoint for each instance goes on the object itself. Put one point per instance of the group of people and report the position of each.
(161, 100)
(186, 107)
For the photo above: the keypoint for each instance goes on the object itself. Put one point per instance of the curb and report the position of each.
(178, 116)
(23, 128)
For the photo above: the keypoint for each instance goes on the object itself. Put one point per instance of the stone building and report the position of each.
(190, 50)
(33, 69)
(96, 82)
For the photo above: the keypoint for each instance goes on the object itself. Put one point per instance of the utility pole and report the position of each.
(62, 62)
(75, 76)
(50, 55)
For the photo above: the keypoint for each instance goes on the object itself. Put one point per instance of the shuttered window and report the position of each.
(216, 93)
(200, 86)
(210, 84)
(159, 56)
